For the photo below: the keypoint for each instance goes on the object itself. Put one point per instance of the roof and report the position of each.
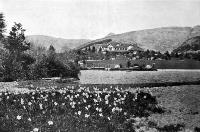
(116, 44)
(98, 41)
(120, 46)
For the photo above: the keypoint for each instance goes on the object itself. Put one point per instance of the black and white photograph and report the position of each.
(99, 65)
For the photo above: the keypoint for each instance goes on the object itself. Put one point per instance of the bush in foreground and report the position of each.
(53, 67)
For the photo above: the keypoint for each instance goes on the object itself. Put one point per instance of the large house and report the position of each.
(114, 46)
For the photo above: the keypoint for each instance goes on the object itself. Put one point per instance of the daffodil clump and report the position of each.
(74, 110)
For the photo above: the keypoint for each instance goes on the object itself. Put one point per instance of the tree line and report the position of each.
(19, 61)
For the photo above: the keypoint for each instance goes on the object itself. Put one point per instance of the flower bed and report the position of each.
(74, 110)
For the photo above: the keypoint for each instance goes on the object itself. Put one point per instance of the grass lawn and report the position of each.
(182, 104)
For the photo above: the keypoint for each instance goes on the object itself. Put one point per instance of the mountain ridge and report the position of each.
(60, 44)
(159, 39)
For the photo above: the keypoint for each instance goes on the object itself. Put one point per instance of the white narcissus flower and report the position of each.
(113, 109)
(117, 89)
(22, 101)
(87, 95)
(50, 122)
(84, 100)
(86, 115)
(95, 100)
(41, 106)
(137, 119)
(35, 130)
(100, 114)
(19, 117)
(97, 109)
(86, 108)
(79, 112)
(55, 103)
(29, 103)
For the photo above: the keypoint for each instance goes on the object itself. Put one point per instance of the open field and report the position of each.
(138, 77)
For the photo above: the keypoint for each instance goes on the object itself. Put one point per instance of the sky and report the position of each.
(92, 19)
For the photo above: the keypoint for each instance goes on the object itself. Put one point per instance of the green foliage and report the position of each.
(16, 43)
(93, 49)
(52, 65)
(2, 25)
(37, 52)
(15, 62)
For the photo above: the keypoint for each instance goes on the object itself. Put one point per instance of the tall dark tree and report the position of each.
(93, 49)
(128, 63)
(2, 26)
(52, 49)
(16, 60)
(16, 43)
(51, 52)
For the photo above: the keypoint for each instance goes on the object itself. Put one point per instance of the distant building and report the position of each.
(114, 46)
(120, 47)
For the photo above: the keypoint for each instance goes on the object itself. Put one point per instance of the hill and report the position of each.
(110, 34)
(190, 45)
(60, 44)
(159, 39)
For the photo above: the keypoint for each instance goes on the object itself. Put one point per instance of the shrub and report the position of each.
(52, 67)
(15, 61)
